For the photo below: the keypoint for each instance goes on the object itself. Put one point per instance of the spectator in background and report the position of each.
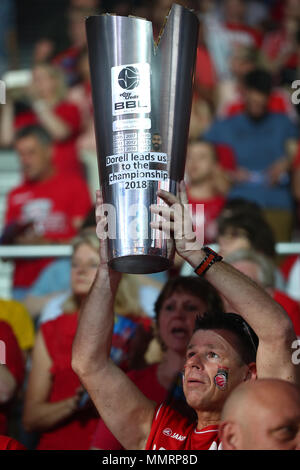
(245, 229)
(52, 401)
(263, 143)
(280, 47)
(67, 59)
(62, 40)
(205, 80)
(54, 391)
(275, 424)
(262, 271)
(234, 17)
(238, 206)
(81, 95)
(12, 369)
(176, 308)
(53, 284)
(48, 107)
(40, 210)
(242, 226)
(206, 184)
(15, 314)
(230, 92)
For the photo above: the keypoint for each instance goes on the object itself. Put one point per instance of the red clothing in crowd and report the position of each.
(51, 205)
(7, 443)
(172, 431)
(244, 34)
(288, 265)
(291, 307)
(146, 381)
(65, 154)
(277, 104)
(11, 356)
(205, 74)
(76, 432)
(226, 157)
(212, 209)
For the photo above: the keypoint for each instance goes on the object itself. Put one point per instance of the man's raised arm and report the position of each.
(267, 318)
(124, 409)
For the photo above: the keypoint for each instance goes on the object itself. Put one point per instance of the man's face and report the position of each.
(256, 103)
(200, 163)
(213, 368)
(35, 157)
(156, 142)
(275, 425)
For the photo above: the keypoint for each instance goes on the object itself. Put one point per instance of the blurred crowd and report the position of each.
(243, 164)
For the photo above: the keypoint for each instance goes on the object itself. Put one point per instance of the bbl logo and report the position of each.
(129, 78)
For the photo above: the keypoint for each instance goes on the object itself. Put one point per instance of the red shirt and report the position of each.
(291, 307)
(212, 209)
(76, 432)
(244, 35)
(277, 104)
(65, 154)
(51, 205)
(146, 381)
(11, 356)
(288, 263)
(172, 431)
(205, 74)
(226, 157)
(6, 443)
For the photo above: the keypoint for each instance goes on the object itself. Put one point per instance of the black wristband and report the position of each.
(210, 258)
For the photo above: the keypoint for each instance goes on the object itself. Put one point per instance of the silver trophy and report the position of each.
(142, 94)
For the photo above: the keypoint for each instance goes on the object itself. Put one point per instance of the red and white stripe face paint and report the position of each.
(221, 378)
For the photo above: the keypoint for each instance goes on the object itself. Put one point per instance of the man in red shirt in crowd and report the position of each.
(219, 356)
(46, 208)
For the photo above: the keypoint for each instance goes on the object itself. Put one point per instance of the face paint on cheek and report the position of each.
(221, 378)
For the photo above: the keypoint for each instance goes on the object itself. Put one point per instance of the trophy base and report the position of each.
(140, 264)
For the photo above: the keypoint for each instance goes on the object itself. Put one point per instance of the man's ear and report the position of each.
(252, 372)
(229, 435)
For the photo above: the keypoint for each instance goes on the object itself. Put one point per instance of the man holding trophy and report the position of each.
(141, 90)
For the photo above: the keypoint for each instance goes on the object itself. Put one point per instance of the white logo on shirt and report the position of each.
(174, 435)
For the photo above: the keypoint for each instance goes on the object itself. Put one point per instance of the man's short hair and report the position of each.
(247, 338)
(258, 80)
(34, 130)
